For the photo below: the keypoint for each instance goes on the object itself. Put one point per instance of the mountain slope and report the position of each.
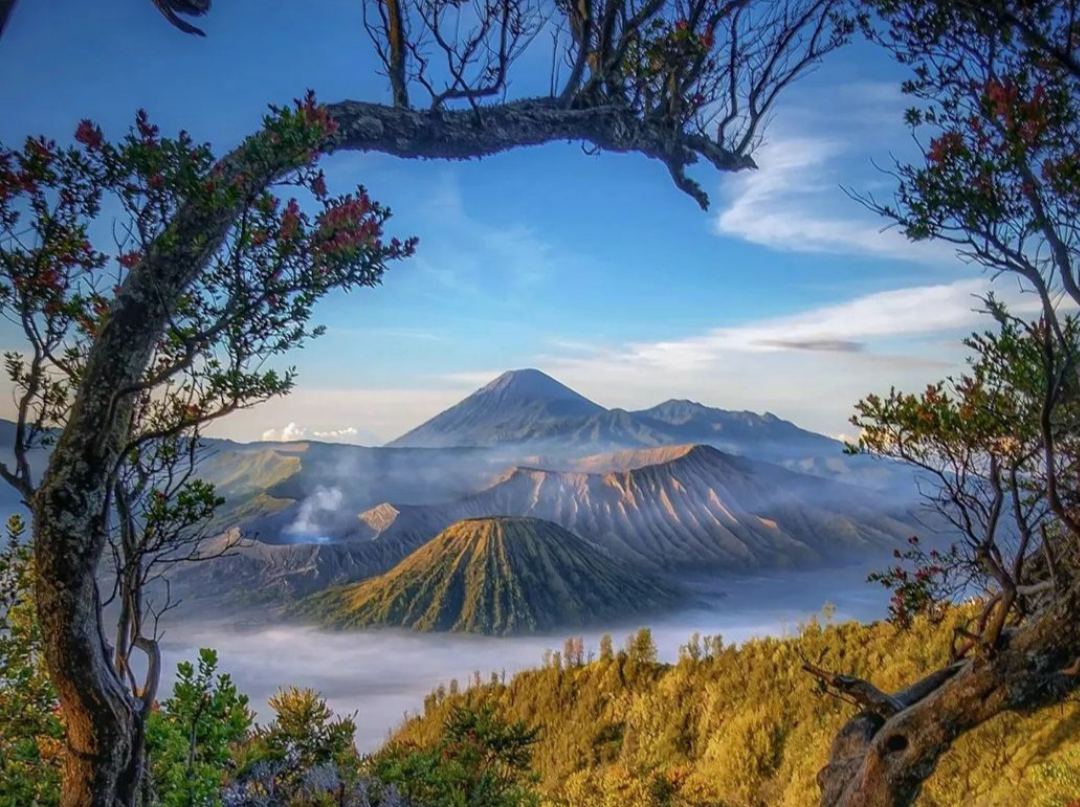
(253, 572)
(765, 437)
(689, 506)
(510, 409)
(496, 576)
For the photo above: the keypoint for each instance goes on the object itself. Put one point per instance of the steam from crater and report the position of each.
(323, 501)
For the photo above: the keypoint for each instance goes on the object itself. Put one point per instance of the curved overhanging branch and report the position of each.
(882, 757)
(464, 135)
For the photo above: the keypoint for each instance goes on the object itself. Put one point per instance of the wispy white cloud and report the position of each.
(393, 333)
(288, 434)
(384, 412)
(293, 431)
(348, 434)
(794, 202)
(471, 256)
(844, 327)
(810, 366)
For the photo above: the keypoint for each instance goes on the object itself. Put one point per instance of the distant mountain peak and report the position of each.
(531, 383)
(527, 407)
(509, 409)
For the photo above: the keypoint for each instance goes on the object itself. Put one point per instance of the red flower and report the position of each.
(680, 25)
(50, 278)
(290, 220)
(129, 259)
(147, 130)
(89, 134)
(946, 146)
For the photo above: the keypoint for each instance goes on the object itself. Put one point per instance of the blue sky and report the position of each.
(592, 268)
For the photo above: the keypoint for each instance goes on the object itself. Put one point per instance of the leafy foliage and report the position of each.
(304, 735)
(191, 739)
(254, 300)
(996, 91)
(997, 448)
(480, 760)
(31, 727)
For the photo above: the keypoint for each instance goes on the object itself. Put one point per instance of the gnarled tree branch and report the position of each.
(882, 759)
(461, 135)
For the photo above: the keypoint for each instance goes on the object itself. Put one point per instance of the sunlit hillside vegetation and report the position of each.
(746, 727)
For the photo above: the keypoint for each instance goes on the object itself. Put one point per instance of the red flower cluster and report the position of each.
(147, 131)
(1002, 97)
(342, 215)
(316, 114)
(8, 180)
(290, 221)
(945, 147)
(89, 134)
(129, 259)
(348, 225)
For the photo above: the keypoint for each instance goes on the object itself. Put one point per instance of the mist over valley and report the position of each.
(384, 674)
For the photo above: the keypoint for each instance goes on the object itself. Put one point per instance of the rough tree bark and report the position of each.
(69, 508)
(885, 754)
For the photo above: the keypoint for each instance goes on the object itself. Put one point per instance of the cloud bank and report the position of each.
(293, 432)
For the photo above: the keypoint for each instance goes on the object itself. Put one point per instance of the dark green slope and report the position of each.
(499, 576)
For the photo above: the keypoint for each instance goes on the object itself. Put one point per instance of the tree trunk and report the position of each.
(884, 760)
(130, 788)
(70, 519)
(99, 710)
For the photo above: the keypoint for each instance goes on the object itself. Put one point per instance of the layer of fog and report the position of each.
(384, 675)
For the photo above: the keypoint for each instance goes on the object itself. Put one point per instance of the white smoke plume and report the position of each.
(323, 500)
